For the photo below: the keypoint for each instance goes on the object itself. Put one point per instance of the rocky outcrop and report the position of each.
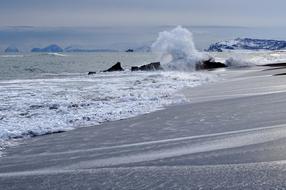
(275, 65)
(209, 65)
(129, 51)
(91, 73)
(116, 67)
(149, 67)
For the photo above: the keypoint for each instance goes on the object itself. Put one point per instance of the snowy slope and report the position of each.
(247, 44)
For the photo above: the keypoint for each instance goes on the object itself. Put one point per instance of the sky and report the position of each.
(121, 24)
(56, 13)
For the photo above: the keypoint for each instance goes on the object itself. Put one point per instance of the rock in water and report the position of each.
(116, 67)
(149, 67)
(135, 68)
(209, 64)
(129, 51)
(91, 73)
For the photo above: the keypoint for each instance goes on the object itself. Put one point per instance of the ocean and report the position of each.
(43, 93)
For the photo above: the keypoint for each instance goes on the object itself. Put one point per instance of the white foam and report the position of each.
(177, 51)
(11, 56)
(40, 106)
(57, 54)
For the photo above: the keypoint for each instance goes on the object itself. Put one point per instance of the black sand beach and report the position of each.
(231, 135)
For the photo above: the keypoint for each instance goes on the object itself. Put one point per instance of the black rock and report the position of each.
(135, 68)
(129, 50)
(91, 73)
(209, 64)
(275, 65)
(149, 67)
(116, 67)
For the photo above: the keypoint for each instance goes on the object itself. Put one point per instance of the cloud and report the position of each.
(142, 12)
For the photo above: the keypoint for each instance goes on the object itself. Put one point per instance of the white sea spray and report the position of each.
(177, 51)
(40, 106)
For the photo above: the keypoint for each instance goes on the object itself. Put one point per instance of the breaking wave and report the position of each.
(43, 106)
(59, 103)
(177, 51)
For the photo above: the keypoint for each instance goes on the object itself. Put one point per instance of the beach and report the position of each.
(142, 95)
(231, 135)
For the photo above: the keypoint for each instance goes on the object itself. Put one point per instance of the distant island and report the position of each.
(228, 45)
(50, 48)
(54, 48)
(11, 49)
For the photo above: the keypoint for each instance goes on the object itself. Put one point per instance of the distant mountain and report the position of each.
(55, 48)
(77, 49)
(11, 50)
(247, 44)
(50, 48)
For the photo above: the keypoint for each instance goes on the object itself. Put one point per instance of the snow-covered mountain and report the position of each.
(248, 44)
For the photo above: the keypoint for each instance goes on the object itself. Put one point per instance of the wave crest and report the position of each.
(177, 51)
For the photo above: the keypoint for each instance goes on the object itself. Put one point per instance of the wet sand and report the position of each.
(232, 135)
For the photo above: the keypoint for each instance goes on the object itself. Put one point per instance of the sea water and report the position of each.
(42, 93)
(45, 93)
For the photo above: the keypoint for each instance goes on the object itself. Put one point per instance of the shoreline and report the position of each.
(139, 103)
(228, 136)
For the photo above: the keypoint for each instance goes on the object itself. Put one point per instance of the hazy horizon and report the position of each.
(134, 23)
(121, 38)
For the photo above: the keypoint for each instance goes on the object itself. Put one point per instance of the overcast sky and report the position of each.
(142, 12)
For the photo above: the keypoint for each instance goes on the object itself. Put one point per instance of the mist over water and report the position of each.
(177, 51)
